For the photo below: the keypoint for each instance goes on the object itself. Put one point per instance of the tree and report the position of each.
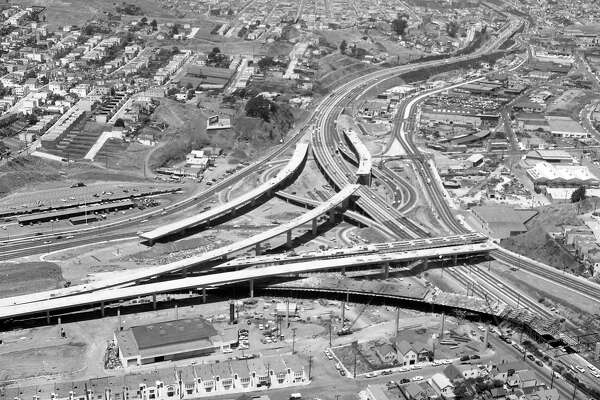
(452, 28)
(214, 52)
(578, 194)
(32, 119)
(260, 107)
(119, 123)
(153, 24)
(343, 46)
(144, 20)
(399, 24)
(265, 62)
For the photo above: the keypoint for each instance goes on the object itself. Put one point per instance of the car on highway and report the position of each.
(47, 241)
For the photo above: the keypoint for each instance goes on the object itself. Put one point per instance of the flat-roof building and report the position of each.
(566, 127)
(171, 340)
(501, 222)
(71, 213)
(551, 156)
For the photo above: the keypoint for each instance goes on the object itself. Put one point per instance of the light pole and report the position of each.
(293, 340)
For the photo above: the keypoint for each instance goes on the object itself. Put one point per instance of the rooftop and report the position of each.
(564, 124)
(172, 332)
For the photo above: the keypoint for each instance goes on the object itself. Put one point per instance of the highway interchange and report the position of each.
(325, 138)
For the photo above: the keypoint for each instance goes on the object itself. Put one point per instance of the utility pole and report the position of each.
(309, 365)
(329, 333)
(355, 355)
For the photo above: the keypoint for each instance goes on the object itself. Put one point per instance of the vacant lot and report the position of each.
(42, 361)
(30, 277)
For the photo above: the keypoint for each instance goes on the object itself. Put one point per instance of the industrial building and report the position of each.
(74, 212)
(207, 77)
(557, 175)
(550, 156)
(171, 340)
(501, 222)
(566, 127)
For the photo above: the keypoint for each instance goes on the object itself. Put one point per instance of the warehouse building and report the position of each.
(71, 213)
(557, 175)
(550, 156)
(566, 127)
(171, 340)
(501, 222)
(206, 77)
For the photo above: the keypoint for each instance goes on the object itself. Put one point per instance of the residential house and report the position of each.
(420, 391)
(386, 353)
(406, 354)
(442, 385)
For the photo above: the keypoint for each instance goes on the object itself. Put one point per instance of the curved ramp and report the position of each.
(292, 166)
(129, 278)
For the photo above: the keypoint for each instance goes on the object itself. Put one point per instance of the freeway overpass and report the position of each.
(340, 200)
(115, 294)
(364, 157)
(351, 216)
(294, 164)
(355, 251)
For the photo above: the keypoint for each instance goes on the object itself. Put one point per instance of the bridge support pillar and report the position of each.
(331, 214)
(48, 317)
(154, 301)
(288, 241)
(454, 260)
(204, 295)
(257, 249)
(426, 264)
(251, 288)
(102, 309)
(314, 226)
(385, 270)
(345, 203)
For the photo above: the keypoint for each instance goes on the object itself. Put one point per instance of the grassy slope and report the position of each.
(30, 277)
(536, 243)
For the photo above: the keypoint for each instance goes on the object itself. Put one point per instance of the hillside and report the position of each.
(536, 243)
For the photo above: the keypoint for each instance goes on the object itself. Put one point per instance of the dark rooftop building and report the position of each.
(197, 75)
(170, 340)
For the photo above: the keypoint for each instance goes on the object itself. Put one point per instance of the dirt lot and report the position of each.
(42, 361)
(21, 278)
